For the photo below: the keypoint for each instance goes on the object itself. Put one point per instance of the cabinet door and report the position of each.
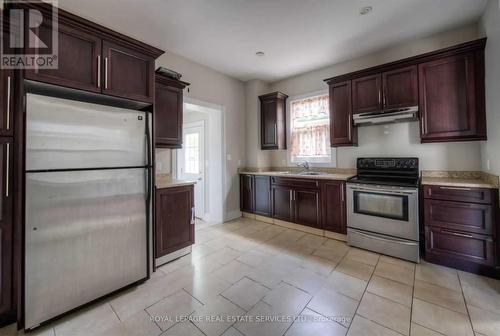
(127, 73)
(246, 193)
(262, 195)
(450, 247)
(334, 207)
(468, 217)
(174, 219)
(78, 59)
(367, 94)
(341, 130)
(448, 100)
(282, 203)
(6, 209)
(400, 88)
(307, 207)
(168, 116)
(269, 124)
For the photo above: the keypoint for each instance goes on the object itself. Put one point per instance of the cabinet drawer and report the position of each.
(468, 217)
(294, 182)
(444, 244)
(459, 194)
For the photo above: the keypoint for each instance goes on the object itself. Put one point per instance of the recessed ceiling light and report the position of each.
(259, 53)
(366, 10)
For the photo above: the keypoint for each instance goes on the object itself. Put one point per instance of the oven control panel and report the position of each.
(388, 163)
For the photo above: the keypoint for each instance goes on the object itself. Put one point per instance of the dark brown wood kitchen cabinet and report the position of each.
(334, 206)
(307, 207)
(400, 88)
(174, 220)
(262, 195)
(460, 227)
(6, 230)
(127, 72)
(367, 94)
(93, 58)
(168, 111)
(452, 98)
(273, 120)
(78, 59)
(247, 193)
(282, 203)
(342, 132)
(296, 200)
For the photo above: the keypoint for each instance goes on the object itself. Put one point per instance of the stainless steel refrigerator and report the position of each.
(88, 187)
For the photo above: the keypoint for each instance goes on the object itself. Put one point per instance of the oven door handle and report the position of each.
(385, 191)
(384, 239)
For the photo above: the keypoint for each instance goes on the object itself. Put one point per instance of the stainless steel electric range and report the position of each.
(382, 207)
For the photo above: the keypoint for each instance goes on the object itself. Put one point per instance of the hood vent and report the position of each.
(386, 117)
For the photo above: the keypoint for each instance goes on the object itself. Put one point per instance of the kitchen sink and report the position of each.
(312, 173)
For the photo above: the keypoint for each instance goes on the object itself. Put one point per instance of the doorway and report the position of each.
(201, 158)
(191, 163)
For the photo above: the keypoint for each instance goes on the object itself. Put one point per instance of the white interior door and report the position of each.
(191, 162)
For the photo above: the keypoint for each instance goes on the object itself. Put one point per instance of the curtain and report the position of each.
(310, 129)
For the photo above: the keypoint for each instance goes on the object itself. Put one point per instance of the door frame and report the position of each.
(203, 159)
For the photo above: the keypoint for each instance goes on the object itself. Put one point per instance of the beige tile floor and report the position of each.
(250, 278)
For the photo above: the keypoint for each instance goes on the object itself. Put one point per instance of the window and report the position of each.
(191, 155)
(310, 130)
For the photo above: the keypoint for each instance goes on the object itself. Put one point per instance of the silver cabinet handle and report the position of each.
(7, 168)
(106, 73)
(192, 216)
(455, 188)
(98, 71)
(8, 103)
(464, 235)
(384, 239)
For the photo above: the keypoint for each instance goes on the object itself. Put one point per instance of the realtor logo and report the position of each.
(30, 35)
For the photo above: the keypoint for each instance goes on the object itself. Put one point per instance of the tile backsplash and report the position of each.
(163, 161)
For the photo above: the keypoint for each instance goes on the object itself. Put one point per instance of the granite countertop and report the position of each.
(460, 179)
(327, 176)
(166, 181)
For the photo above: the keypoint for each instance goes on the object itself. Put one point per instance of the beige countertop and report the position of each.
(166, 181)
(328, 176)
(459, 182)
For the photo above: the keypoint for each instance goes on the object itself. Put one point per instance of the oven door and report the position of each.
(386, 210)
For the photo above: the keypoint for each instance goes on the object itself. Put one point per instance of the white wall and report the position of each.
(213, 87)
(397, 139)
(255, 156)
(490, 26)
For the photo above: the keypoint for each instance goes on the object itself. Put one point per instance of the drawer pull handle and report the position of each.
(455, 188)
(457, 234)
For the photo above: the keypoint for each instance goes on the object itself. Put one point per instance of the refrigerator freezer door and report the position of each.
(86, 236)
(66, 134)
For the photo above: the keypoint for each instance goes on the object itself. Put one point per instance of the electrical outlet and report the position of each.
(229, 157)
(488, 161)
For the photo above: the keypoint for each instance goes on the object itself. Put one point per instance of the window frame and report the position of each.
(333, 156)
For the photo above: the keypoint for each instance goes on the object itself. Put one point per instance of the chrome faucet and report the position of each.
(305, 165)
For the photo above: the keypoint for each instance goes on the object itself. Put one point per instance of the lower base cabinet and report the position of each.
(319, 204)
(174, 220)
(460, 228)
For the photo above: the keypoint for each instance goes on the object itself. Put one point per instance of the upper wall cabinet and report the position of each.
(367, 94)
(452, 98)
(447, 87)
(93, 58)
(400, 88)
(168, 111)
(342, 132)
(273, 120)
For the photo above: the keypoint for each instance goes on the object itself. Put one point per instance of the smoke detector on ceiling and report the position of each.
(259, 53)
(366, 10)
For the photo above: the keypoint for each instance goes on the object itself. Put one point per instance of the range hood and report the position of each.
(386, 117)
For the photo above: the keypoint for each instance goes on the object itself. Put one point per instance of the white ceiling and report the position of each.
(296, 35)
